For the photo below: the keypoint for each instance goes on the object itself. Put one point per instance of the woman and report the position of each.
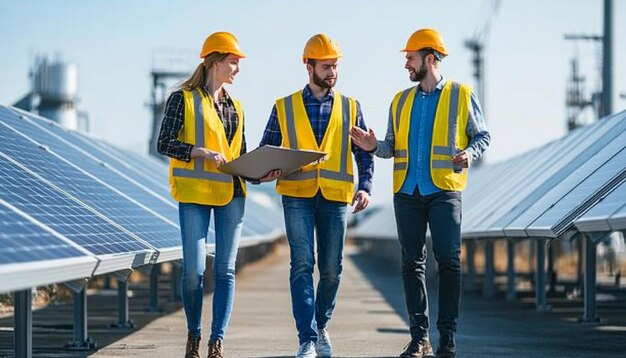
(202, 129)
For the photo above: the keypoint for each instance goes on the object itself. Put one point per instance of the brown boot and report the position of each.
(215, 349)
(418, 349)
(193, 347)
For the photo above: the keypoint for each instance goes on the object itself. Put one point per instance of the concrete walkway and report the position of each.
(364, 324)
(369, 320)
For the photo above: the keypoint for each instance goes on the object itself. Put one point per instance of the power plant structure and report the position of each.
(54, 93)
(169, 67)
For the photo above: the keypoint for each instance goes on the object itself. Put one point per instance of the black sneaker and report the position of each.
(417, 349)
(447, 347)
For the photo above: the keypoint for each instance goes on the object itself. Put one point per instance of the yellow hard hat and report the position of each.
(321, 47)
(222, 42)
(424, 38)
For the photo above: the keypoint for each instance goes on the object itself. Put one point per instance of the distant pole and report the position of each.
(478, 63)
(479, 69)
(607, 60)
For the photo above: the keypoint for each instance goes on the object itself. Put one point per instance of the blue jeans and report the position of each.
(194, 226)
(441, 213)
(328, 218)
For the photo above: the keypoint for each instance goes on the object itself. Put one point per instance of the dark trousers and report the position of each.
(441, 213)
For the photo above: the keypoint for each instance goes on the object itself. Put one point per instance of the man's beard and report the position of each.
(419, 75)
(323, 84)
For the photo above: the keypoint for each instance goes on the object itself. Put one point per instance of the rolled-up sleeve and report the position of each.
(171, 125)
(364, 160)
(477, 130)
(272, 134)
(385, 147)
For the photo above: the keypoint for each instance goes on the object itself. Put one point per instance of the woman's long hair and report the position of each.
(199, 76)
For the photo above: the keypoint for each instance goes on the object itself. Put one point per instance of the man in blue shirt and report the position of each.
(432, 157)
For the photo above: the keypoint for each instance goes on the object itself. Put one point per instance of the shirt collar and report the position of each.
(225, 97)
(307, 94)
(438, 87)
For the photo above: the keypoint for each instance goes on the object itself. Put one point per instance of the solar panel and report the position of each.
(260, 219)
(156, 171)
(551, 221)
(617, 221)
(494, 180)
(581, 169)
(22, 240)
(381, 224)
(108, 174)
(89, 145)
(62, 213)
(546, 168)
(89, 190)
(597, 218)
(32, 255)
(481, 180)
(507, 183)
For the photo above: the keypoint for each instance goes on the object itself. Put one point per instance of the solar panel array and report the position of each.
(69, 202)
(377, 225)
(572, 184)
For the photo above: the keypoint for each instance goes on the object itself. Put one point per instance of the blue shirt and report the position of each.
(420, 140)
(423, 113)
(319, 116)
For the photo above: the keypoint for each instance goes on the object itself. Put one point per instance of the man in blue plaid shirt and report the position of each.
(316, 198)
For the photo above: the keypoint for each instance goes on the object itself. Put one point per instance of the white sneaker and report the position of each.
(306, 350)
(323, 348)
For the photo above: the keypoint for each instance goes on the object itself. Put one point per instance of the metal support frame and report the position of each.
(511, 294)
(579, 266)
(470, 268)
(23, 324)
(551, 273)
(541, 298)
(154, 288)
(81, 341)
(489, 287)
(123, 316)
(589, 276)
(106, 282)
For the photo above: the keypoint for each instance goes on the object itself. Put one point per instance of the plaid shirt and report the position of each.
(319, 115)
(173, 121)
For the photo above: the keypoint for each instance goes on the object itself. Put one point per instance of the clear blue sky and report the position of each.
(112, 43)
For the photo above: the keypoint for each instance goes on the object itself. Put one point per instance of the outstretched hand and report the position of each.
(365, 140)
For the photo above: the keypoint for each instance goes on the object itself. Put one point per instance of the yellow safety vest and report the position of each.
(449, 135)
(334, 176)
(199, 181)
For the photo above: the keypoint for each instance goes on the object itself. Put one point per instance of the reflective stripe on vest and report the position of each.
(198, 171)
(451, 149)
(450, 121)
(342, 175)
(198, 181)
(403, 97)
(400, 155)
